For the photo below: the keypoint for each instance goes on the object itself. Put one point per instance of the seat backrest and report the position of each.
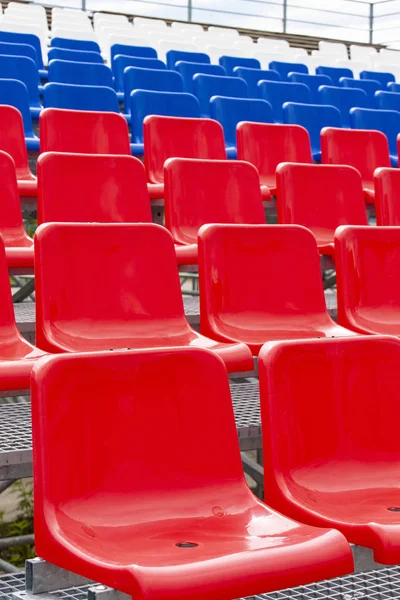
(80, 56)
(84, 188)
(335, 73)
(231, 111)
(24, 38)
(209, 191)
(313, 117)
(387, 121)
(320, 197)
(279, 92)
(265, 146)
(365, 150)
(284, 68)
(387, 100)
(172, 104)
(15, 93)
(9, 333)
(83, 131)
(121, 62)
(78, 73)
(174, 56)
(253, 76)
(344, 99)
(207, 86)
(159, 80)
(313, 82)
(370, 86)
(23, 69)
(80, 97)
(338, 49)
(189, 69)
(383, 78)
(230, 62)
(392, 86)
(19, 50)
(231, 258)
(11, 225)
(120, 258)
(387, 196)
(167, 137)
(85, 45)
(132, 50)
(12, 140)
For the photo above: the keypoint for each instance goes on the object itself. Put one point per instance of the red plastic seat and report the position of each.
(320, 197)
(92, 188)
(338, 462)
(387, 196)
(368, 288)
(208, 191)
(360, 148)
(131, 265)
(249, 290)
(12, 141)
(173, 520)
(265, 146)
(86, 132)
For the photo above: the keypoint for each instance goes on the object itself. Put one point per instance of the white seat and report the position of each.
(273, 43)
(71, 24)
(355, 65)
(75, 34)
(100, 17)
(214, 52)
(265, 57)
(22, 19)
(312, 62)
(386, 67)
(361, 52)
(149, 23)
(209, 40)
(23, 28)
(337, 48)
(298, 51)
(389, 56)
(194, 27)
(164, 45)
(225, 31)
(103, 34)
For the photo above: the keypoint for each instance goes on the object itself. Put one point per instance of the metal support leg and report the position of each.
(330, 281)
(25, 291)
(42, 576)
(102, 592)
(364, 559)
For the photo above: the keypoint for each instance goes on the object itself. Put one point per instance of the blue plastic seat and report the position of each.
(383, 78)
(387, 100)
(313, 82)
(387, 121)
(23, 69)
(167, 104)
(370, 86)
(15, 94)
(19, 50)
(80, 97)
(231, 111)
(335, 73)
(230, 62)
(121, 62)
(189, 69)
(284, 68)
(74, 55)
(85, 45)
(139, 51)
(344, 99)
(136, 78)
(75, 73)
(207, 86)
(312, 117)
(253, 76)
(392, 86)
(174, 56)
(30, 40)
(279, 92)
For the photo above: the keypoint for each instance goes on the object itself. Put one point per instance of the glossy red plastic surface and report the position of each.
(92, 187)
(12, 141)
(246, 293)
(387, 196)
(368, 285)
(173, 520)
(330, 436)
(168, 137)
(130, 264)
(362, 149)
(265, 146)
(209, 191)
(320, 197)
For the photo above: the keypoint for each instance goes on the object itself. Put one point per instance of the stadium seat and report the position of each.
(387, 197)
(321, 198)
(383, 78)
(69, 44)
(265, 146)
(130, 316)
(80, 56)
(209, 191)
(253, 76)
(367, 262)
(76, 73)
(23, 69)
(174, 56)
(80, 97)
(146, 102)
(231, 259)
(188, 70)
(387, 121)
(370, 86)
(121, 62)
(231, 62)
(337, 464)
(279, 92)
(131, 50)
(387, 100)
(18, 50)
(136, 78)
(14, 93)
(333, 48)
(214, 537)
(344, 99)
(313, 117)
(284, 68)
(207, 86)
(313, 82)
(335, 73)
(392, 86)
(364, 150)
(30, 40)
